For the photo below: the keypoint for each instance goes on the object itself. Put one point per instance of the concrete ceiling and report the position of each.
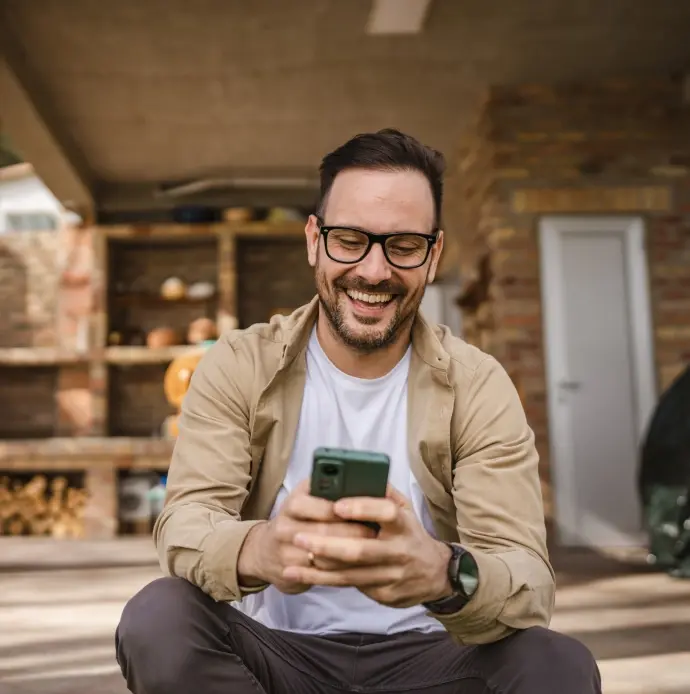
(134, 93)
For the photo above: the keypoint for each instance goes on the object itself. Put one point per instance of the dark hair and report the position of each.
(385, 150)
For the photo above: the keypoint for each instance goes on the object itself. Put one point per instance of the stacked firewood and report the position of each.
(40, 507)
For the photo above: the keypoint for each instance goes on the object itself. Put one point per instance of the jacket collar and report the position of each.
(298, 326)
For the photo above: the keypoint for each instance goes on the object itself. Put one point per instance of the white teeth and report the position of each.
(369, 298)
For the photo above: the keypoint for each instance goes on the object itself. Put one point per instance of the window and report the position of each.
(32, 221)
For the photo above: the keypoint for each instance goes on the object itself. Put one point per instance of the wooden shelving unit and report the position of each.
(40, 356)
(99, 457)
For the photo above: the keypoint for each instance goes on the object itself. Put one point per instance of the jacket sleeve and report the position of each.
(499, 512)
(199, 534)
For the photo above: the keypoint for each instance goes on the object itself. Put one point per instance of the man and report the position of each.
(272, 590)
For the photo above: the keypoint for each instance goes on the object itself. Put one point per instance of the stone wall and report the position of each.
(615, 147)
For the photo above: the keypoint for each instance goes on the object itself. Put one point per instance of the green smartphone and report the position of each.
(338, 473)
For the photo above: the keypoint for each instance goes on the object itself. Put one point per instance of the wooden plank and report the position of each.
(156, 463)
(147, 355)
(146, 462)
(40, 356)
(94, 450)
(41, 464)
(173, 232)
(254, 229)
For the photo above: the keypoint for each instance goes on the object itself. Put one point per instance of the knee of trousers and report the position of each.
(539, 648)
(154, 626)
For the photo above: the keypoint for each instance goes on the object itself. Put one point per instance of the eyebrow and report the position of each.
(355, 227)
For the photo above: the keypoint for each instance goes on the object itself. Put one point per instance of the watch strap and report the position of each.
(463, 577)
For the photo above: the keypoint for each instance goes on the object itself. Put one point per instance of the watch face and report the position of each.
(469, 574)
(464, 572)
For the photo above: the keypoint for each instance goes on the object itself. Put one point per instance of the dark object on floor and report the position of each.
(664, 480)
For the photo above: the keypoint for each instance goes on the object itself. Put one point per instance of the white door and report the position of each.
(600, 374)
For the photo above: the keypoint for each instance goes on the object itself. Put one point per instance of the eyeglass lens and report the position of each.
(350, 246)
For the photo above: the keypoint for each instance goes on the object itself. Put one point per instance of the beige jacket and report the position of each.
(470, 449)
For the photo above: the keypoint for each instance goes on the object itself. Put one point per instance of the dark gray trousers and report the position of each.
(174, 639)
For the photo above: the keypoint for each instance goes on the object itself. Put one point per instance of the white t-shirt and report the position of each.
(341, 411)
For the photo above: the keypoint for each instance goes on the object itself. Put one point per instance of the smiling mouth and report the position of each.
(369, 301)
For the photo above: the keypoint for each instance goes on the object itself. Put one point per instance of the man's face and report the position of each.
(371, 302)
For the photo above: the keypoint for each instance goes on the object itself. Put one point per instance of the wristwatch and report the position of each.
(463, 575)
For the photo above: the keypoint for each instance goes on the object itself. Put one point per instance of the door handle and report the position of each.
(571, 386)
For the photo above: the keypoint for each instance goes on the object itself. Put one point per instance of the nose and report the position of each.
(374, 268)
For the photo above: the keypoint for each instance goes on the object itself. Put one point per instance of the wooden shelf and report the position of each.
(102, 460)
(147, 355)
(48, 356)
(78, 452)
(40, 356)
(172, 232)
(157, 301)
(99, 459)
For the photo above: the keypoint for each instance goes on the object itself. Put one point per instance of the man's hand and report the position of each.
(270, 549)
(401, 567)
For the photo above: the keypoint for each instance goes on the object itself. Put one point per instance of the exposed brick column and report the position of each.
(614, 147)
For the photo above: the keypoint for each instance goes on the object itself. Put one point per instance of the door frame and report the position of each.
(640, 320)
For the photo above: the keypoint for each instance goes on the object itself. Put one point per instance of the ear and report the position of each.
(312, 232)
(435, 257)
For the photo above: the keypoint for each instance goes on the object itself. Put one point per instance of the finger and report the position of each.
(328, 564)
(292, 588)
(337, 529)
(381, 511)
(286, 529)
(348, 550)
(360, 577)
(295, 556)
(309, 508)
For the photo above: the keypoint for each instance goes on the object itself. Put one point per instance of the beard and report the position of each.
(369, 337)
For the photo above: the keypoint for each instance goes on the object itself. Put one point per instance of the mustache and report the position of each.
(360, 285)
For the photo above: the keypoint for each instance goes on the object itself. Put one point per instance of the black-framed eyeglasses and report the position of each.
(404, 250)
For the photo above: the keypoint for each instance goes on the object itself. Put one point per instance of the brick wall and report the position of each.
(28, 289)
(272, 274)
(27, 402)
(73, 415)
(669, 258)
(613, 147)
(137, 403)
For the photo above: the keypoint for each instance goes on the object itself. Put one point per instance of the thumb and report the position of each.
(400, 499)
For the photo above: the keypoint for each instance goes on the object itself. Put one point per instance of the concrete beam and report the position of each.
(121, 197)
(28, 126)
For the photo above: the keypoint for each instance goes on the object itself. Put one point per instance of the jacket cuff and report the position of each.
(220, 555)
(478, 615)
